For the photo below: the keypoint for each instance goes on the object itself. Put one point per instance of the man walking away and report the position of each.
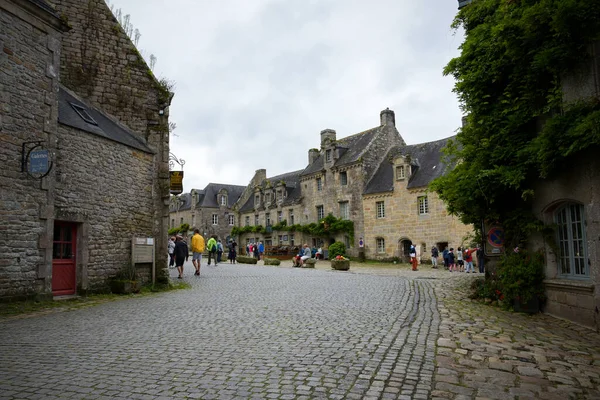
(219, 250)
(181, 253)
(197, 250)
(434, 256)
(480, 259)
(212, 249)
(413, 257)
(171, 248)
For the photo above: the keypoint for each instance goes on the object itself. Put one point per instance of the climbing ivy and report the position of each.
(509, 79)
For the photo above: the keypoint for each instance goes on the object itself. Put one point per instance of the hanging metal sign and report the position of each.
(176, 182)
(36, 161)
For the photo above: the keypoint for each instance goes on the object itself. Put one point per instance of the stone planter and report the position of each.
(309, 263)
(118, 286)
(340, 265)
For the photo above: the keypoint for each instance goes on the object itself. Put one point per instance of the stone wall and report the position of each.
(403, 222)
(572, 298)
(101, 64)
(29, 65)
(94, 182)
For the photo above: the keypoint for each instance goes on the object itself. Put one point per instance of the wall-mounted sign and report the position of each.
(35, 159)
(494, 243)
(176, 182)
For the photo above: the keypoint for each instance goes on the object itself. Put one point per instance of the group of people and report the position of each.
(460, 260)
(179, 251)
(256, 250)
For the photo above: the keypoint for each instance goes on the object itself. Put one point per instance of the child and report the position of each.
(451, 264)
(459, 256)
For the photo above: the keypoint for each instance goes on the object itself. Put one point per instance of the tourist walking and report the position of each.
(413, 257)
(451, 264)
(171, 249)
(445, 257)
(459, 259)
(219, 250)
(480, 259)
(211, 245)
(197, 250)
(255, 250)
(468, 258)
(434, 256)
(261, 250)
(232, 254)
(181, 253)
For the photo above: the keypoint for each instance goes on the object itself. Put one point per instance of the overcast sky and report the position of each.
(257, 80)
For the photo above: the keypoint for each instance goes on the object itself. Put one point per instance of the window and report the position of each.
(247, 223)
(320, 213)
(291, 214)
(423, 205)
(215, 219)
(380, 245)
(380, 206)
(319, 184)
(279, 216)
(571, 241)
(400, 172)
(224, 200)
(231, 219)
(268, 219)
(83, 113)
(327, 155)
(173, 223)
(291, 239)
(280, 237)
(343, 178)
(256, 219)
(344, 213)
(181, 221)
(278, 195)
(257, 200)
(268, 198)
(347, 241)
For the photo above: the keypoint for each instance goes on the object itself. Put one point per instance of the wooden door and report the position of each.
(63, 258)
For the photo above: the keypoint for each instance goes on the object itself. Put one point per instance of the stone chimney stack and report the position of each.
(259, 176)
(313, 154)
(387, 117)
(327, 134)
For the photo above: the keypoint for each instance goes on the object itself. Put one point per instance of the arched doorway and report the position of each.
(404, 249)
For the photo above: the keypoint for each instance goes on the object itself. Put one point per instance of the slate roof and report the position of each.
(106, 126)
(45, 6)
(351, 149)
(292, 187)
(426, 158)
(208, 196)
(185, 202)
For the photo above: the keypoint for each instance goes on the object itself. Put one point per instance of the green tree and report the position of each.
(518, 130)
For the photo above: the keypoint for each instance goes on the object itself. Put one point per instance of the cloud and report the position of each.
(258, 80)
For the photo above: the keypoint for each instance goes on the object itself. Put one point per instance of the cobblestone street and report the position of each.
(276, 332)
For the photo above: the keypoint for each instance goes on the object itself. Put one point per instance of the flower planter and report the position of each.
(340, 265)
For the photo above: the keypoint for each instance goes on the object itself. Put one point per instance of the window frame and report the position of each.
(380, 209)
(328, 155)
(343, 178)
(400, 172)
(247, 220)
(423, 205)
(320, 212)
(566, 241)
(344, 205)
(319, 184)
(215, 219)
(231, 219)
(380, 245)
(224, 200)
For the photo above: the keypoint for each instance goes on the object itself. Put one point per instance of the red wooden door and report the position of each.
(63, 258)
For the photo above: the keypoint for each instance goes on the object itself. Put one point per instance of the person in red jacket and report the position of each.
(468, 257)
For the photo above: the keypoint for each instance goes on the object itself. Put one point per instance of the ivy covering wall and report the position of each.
(509, 80)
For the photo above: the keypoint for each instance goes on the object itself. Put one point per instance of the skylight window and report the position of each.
(83, 113)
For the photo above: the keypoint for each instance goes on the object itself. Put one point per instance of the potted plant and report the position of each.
(521, 274)
(340, 263)
(125, 281)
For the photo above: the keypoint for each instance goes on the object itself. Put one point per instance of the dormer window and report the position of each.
(257, 200)
(327, 155)
(268, 198)
(400, 173)
(224, 200)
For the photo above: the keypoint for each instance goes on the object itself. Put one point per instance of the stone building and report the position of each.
(66, 232)
(352, 178)
(400, 211)
(209, 209)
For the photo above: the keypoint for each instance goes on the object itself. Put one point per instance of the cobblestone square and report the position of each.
(256, 332)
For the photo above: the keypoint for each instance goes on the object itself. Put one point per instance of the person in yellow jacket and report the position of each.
(197, 250)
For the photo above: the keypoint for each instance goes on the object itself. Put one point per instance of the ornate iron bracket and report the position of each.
(173, 159)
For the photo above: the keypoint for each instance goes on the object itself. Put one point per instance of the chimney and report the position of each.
(327, 135)
(259, 176)
(313, 154)
(387, 117)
